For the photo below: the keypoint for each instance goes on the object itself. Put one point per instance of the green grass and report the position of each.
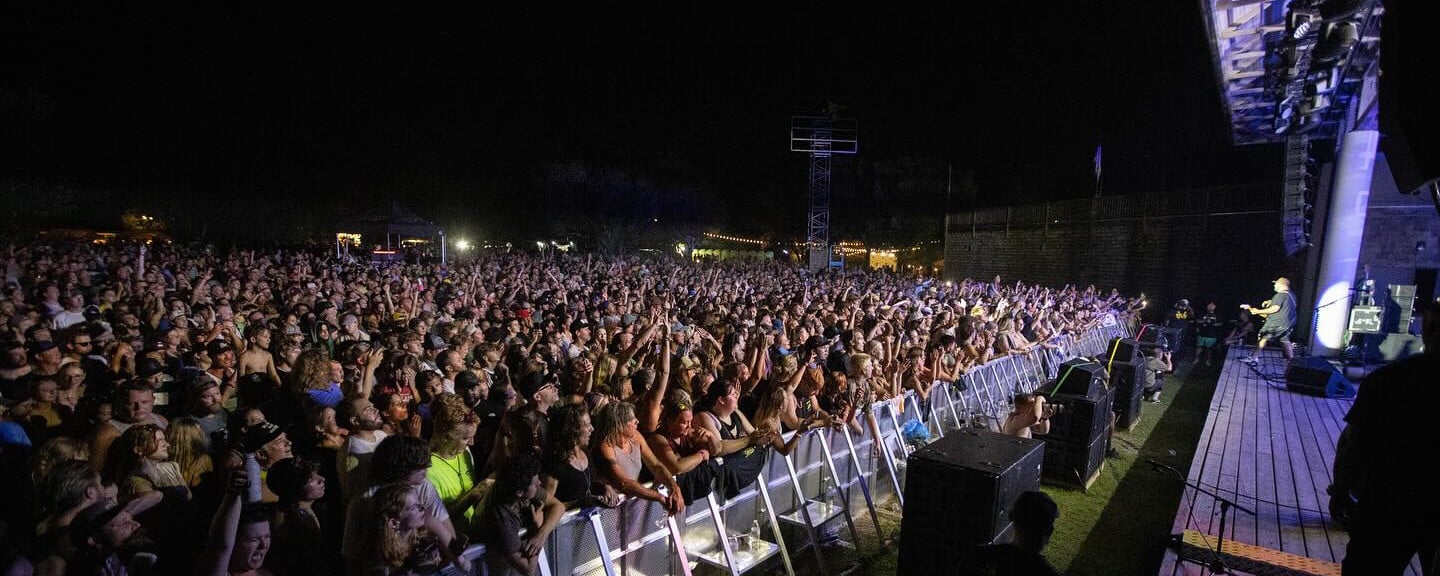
(1120, 525)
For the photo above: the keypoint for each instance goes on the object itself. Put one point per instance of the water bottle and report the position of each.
(755, 535)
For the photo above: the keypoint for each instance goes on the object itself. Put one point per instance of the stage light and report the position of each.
(1314, 104)
(1301, 22)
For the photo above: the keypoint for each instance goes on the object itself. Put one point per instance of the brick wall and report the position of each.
(1223, 245)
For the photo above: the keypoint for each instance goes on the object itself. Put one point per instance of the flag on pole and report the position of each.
(1097, 162)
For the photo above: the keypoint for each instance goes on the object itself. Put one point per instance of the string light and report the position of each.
(735, 239)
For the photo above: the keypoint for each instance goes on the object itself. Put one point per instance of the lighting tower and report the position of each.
(821, 137)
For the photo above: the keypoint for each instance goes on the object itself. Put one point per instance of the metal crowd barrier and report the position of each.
(834, 473)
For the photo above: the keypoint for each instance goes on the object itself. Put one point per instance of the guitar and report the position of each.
(1263, 305)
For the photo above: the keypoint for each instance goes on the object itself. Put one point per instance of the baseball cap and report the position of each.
(147, 367)
(435, 342)
(218, 347)
(531, 383)
(1283, 280)
(91, 520)
(579, 323)
(41, 346)
(253, 438)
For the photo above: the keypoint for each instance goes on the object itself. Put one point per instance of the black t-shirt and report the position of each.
(1393, 438)
(571, 485)
(1285, 316)
(17, 390)
(1208, 326)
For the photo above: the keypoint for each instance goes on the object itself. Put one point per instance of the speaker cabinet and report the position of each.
(1082, 419)
(958, 494)
(1079, 377)
(1317, 377)
(1073, 463)
(1121, 350)
(1152, 336)
(1127, 384)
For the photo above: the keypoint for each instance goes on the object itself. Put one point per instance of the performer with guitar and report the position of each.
(1279, 314)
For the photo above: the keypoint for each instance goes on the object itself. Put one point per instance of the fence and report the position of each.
(836, 474)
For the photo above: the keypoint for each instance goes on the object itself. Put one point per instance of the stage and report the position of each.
(1269, 450)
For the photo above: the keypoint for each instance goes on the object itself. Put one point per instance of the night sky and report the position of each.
(289, 102)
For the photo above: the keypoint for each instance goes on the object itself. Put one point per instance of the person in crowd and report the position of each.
(257, 358)
(15, 369)
(240, 535)
(98, 534)
(403, 543)
(1390, 511)
(205, 404)
(1157, 365)
(769, 421)
(566, 472)
(53, 452)
(139, 463)
(300, 544)
(1030, 417)
(259, 446)
(685, 450)
(1244, 328)
(511, 512)
(363, 421)
(1033, 515)
(399, 460)
(133, 405)
(452, 467)
(622, 452)
(190, 450)
(741, 444)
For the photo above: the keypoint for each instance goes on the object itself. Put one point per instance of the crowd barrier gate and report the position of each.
(800, 494)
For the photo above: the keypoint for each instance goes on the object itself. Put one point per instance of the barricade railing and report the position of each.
(830, 474)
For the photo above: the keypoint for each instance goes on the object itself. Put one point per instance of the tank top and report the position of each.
(629, 460)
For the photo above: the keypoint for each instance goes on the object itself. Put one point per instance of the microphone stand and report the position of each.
(1218, 566)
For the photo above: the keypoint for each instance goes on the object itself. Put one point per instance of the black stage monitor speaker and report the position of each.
(1080, 419)
(1079, 377)
(1121, 350)
(1317, 377)
(958, 494)
(1152, 336)
(1127, 381)
(1071, 463)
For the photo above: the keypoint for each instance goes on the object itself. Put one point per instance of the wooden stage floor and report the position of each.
(1270, 450)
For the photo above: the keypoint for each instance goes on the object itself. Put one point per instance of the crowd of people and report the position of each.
(176, 409)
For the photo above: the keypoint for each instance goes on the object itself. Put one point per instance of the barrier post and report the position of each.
(950, 400)
(885, 454)
(681, 554)
(723, 534)
(845, 506)
(860, 476)
(606, 560)
(763, 484)
(804, 504)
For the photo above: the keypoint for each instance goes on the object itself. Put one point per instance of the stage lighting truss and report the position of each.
(1291, 66)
